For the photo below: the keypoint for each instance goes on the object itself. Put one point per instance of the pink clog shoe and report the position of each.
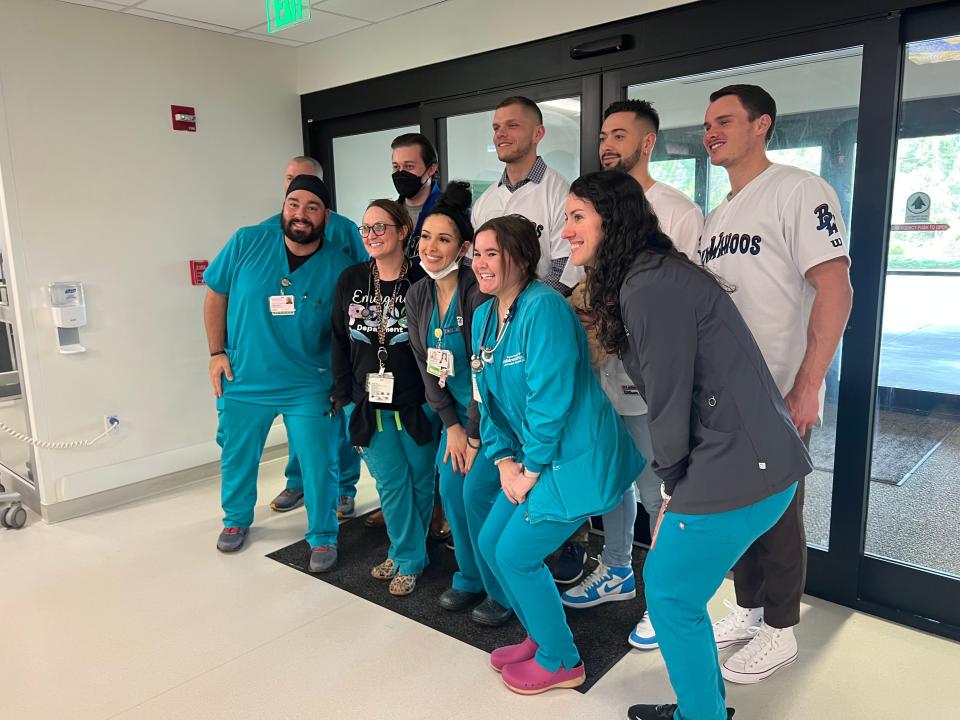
(530, 677)
(513, 654)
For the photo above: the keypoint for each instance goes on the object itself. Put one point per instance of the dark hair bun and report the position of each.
(457, 197)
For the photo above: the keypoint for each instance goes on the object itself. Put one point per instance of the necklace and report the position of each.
(386, 310)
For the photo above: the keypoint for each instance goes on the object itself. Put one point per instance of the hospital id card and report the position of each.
(476, 388)
(439, 362)
(380, 387)
(283, 305)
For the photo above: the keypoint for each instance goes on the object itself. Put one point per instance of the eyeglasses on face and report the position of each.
(377, 228)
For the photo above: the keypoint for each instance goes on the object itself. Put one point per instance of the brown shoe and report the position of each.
(375, 519)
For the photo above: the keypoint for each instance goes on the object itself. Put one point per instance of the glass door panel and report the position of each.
(914, 504)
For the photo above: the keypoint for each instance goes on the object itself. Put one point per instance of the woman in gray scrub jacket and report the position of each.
(723, 443)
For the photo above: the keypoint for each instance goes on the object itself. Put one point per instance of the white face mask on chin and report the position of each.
(440, 274)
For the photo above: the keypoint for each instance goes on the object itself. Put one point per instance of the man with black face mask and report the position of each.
(268, 315)
(414, 162)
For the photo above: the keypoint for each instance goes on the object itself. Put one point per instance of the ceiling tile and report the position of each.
(373, 10)
(237, 14)
(179, 21)
(321, 25)
(270, 39)
(96, 4)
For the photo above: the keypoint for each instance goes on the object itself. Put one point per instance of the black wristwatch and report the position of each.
(218, 352)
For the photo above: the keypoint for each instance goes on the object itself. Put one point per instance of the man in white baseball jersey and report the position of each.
(779, 240)
(627, 139)
(529, 188)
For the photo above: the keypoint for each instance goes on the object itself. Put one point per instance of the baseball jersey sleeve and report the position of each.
(812, 225)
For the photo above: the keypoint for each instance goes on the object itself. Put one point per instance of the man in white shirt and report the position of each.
(627, 139)
(779, 240)
(529, 188)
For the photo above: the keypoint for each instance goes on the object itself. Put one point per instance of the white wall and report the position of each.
(452, 29)
(98, 188)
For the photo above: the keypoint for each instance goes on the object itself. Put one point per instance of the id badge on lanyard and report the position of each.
(380, 384)
(476, 388)
(440, 362)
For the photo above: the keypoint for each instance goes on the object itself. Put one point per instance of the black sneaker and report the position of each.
(659, 712)
(568, 567)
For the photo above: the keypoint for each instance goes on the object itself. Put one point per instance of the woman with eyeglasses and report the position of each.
(562, 452)
(441, 310)
(375, 369)
(726, 449)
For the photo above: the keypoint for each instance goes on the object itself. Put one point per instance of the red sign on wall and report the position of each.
(196, 271)
(184, 118)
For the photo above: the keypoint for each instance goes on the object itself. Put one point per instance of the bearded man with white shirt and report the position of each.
(779, 240)
(627, 139)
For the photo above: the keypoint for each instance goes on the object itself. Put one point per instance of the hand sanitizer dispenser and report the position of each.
(69, 313)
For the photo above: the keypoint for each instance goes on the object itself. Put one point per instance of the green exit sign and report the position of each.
(282, 14)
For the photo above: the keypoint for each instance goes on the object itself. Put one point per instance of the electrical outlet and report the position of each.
(110, 422)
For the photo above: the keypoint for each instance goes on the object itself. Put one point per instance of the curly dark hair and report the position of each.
(630, 227)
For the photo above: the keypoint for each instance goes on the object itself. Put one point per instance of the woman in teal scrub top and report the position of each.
(440, 310)
(562, 452)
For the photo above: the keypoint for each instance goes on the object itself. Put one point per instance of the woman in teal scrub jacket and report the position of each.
(726, 449)
(440, 310)
(562, 452)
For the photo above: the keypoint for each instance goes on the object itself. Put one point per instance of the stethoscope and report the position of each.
(478, 362)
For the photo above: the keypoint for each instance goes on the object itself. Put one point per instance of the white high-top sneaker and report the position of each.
(734, 628)
(771, 649)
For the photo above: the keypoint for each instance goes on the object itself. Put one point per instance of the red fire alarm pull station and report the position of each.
(184, 118)
(196, 271)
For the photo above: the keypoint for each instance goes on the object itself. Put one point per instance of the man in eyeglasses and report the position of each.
(341, 233)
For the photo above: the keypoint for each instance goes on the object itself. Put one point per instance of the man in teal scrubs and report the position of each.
(267, 315)
(340, 232)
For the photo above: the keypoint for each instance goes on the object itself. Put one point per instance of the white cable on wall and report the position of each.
(76, 444)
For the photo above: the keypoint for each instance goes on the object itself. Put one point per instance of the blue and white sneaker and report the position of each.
(604, 584)
(643, 636)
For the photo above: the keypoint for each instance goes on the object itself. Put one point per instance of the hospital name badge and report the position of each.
(283, 305)
(440, 362)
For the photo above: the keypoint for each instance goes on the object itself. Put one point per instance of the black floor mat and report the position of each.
(600, 632)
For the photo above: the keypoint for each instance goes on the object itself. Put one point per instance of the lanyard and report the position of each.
(385, 311)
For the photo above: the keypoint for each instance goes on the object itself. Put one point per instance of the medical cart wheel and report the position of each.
(14, 517)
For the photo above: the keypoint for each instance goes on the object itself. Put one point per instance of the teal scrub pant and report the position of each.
(692, 555)
(467, 501)
(405, 474)
(346, 471)
(515, 549)
(242, 433)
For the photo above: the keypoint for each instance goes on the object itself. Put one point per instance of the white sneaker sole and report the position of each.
(648, 646)
(600, 601)
(740, 678)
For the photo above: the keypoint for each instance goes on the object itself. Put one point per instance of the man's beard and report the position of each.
(302, 237)
(628, 163)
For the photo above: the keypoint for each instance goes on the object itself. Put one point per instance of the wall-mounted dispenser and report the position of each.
(69, 313)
